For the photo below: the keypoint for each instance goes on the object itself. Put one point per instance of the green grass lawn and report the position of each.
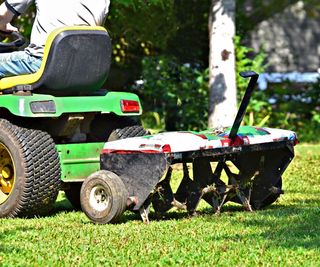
(285, 234)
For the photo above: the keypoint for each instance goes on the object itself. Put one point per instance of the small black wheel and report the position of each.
(73, 194)
(29, 171)
(103, 197)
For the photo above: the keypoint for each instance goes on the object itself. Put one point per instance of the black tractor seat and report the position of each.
(76, 61)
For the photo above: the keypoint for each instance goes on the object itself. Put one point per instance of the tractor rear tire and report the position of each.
(47, 173)
(103, 197)
(127, 132)
(30, 171)
(103, 125)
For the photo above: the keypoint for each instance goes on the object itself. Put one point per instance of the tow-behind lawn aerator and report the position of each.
(136, 172)
(54, 123)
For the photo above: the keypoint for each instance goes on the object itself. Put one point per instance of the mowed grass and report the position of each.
(285, 234)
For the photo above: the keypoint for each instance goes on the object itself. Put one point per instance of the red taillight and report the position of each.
(130, 106)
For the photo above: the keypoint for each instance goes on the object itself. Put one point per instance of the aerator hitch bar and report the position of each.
(246, 174)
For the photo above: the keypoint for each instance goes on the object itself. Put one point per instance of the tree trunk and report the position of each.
(222, 79)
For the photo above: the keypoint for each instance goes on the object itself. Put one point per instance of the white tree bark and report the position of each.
(222, 79)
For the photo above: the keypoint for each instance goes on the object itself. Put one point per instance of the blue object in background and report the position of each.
(296, 77)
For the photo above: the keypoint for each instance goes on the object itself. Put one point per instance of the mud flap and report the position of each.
(140, 173)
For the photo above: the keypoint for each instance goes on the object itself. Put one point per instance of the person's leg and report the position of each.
(18, 63)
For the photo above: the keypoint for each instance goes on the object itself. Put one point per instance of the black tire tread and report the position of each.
(120, 188)
(41, 171)
(127, 132)
(47, 181)
(17, 136)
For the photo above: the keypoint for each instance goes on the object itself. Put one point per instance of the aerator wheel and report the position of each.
(29, 171)
(103, 197)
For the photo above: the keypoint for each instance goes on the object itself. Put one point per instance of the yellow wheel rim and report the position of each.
(7, 173)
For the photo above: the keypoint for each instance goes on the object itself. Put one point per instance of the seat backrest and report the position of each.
(76, 61)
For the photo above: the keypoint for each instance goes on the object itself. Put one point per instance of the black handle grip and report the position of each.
(247, 74)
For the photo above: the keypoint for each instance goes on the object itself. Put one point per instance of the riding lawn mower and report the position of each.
(55, 122)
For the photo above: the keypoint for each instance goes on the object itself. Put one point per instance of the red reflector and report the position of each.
(238, 141)
(166, 149)
(128, 106)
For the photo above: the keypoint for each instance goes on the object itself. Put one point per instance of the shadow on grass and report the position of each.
(290, 226)
(293, 225)
(63, 206)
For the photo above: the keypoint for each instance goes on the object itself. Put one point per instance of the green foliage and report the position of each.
(171, 87)
(25, 21)
(286, 234)
(285, 105)
(138, 27)
(148, 28)
(245, 60)
(178, 93)
(135, 4)
(251, 13)
(259, 109)
(190, 41)
(296, 107)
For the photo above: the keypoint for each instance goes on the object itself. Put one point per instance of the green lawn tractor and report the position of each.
(54, 123)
